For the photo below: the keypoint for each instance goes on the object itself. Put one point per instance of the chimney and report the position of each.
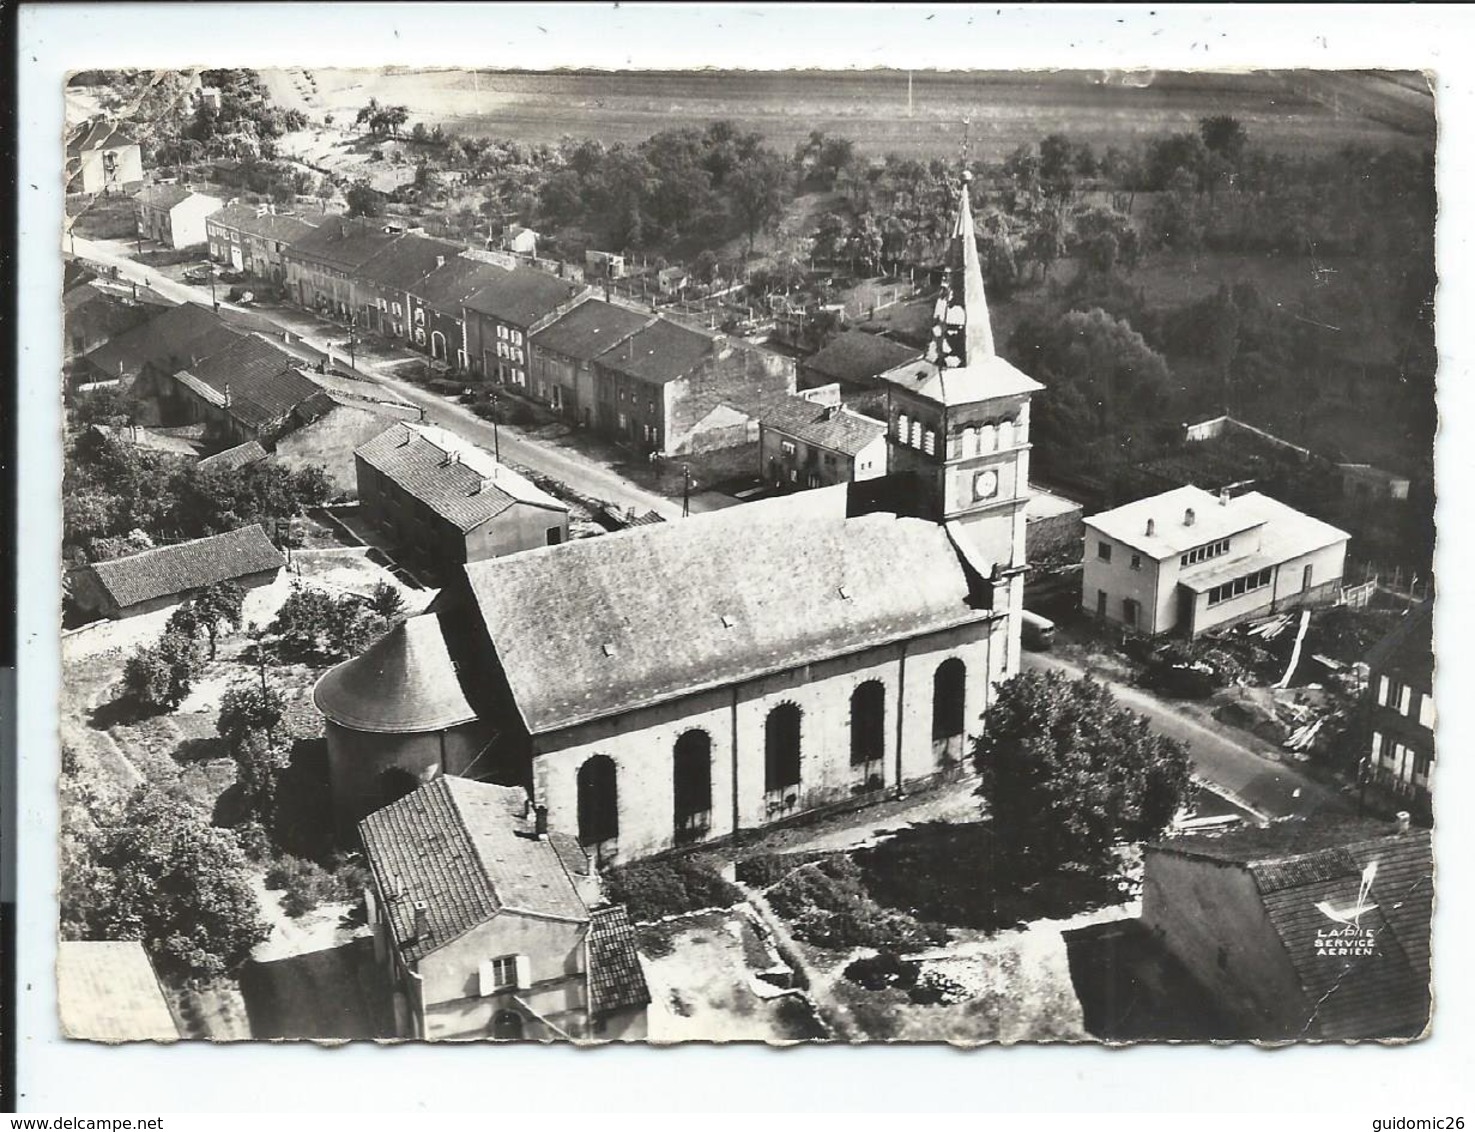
(422, 919)
(476, 489)
(831, 412)
(1400, 821)
(1223, 497)
(1151, 527)
(1189, 517)
(227, 395)
(540, 822)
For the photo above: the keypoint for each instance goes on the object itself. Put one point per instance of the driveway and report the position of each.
(1252, 772)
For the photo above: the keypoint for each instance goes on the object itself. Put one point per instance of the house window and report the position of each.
(504, 971)
(1100, 603)
(502, 333)
(781, 750)
(787, 447)
(1103, 551)
(397, 311)
(949, 686)
(867, 722)
(916, 434)
(1136, 562)
(419, 316)
(553, 535)
(1244, 585)
(1306, 577)
(902, 427)
(929, 442)
(599, 812)
(1204, 553)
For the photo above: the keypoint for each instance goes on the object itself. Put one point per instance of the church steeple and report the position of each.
(961, 333)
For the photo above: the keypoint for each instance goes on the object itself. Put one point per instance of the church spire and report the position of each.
(961, 333)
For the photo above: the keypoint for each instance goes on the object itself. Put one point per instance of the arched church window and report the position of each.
(781, 747)
(692, 781)
(599, 811)
(948, 698)
(987, 439)
(1006, 434)
(970, 441)
(867, 722)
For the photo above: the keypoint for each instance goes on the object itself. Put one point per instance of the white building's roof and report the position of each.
(1047, 505)
(1172, 534)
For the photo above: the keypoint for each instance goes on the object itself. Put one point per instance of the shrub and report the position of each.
(826, 904)
(159, 677)
(305, 884)
(885, 969)
(669, 887)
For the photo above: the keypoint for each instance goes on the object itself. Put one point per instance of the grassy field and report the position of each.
(1288, 110)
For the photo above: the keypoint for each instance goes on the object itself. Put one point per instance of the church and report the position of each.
(677, 684)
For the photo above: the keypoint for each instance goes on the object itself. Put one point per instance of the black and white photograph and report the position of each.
(737, 556)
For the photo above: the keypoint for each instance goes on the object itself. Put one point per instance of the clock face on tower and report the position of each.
(986, 484)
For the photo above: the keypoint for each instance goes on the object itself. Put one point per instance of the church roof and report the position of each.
(960, 365)
(404, 682)
(601, 626)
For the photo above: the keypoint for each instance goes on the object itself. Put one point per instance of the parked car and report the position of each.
(1037, 631)
(199, 274)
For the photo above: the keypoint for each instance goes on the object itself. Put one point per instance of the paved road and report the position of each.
(1247, 772)
(564, 464)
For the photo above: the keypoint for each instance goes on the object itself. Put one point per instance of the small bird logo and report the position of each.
(1352, 917)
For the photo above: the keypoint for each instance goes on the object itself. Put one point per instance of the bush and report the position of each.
(768, 870)
(826, 904)
(933, 988)
(159, 677)
(306, 885)
(885, 969)
(669, 887)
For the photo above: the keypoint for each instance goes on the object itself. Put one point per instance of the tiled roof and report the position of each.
(402, 683)
(1408, 649)
(616, 981)
(599, 626)
(241, 456)
(286, 227)
(107, 991)
(521, 296)
(466, 491)
(855, 356)
(341, 243)
(982, 380)
(464, 851)
(163, 197)
(406, 261)
(834, 427)
(589, 330)
(183, 332)
(447, 288)
(262, 382)
(100, 134)
(661, 352)
(170, 570)
(1313, 872)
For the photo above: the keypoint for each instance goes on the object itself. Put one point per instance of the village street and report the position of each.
(564, 464)
(1249, 771)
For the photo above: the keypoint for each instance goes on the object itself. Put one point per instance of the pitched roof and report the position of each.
(185, 566)
(616, 981)
(260, 380)
(654, 613)
(828, 426)
(1315, 872)
(406, 261)
(521, 296)
(241, 456)
(404, 682)
(164, 197)
(981, 380)
(659, 353)
(460, 482)
(107, 991)
(186, 331)
(1408, 648)
(100, 134)
(856, 356)
(463, 850)
(283, 226)
(447, 288)
(589, 330)
(341, 242)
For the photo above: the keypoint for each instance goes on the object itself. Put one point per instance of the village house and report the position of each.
(502, 315)
(520, 240)
(325, 430)
(446, 502)
(438, 307)
(253, 238)
(1399, 712)
(1365, 483)
(93, 314)
(383, 282)
(604, 265)
(108, 991)
(172, 215)
(1300, 931)
(239, 456)
(678, 683)
(173, 338)
(857, 360)
(807, 442)
(322, 264)
(247, 391)
(155, 581)
(487, 926)
(674, 391)
(1187, 561)
(563, 354)
(101, 158)
(1054, 528)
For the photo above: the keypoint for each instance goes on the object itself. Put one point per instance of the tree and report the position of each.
(315, 625)
(158, 677)
(1066, 774)
(260, 758)
(251, 707)
(1224, 135)
(161, 875)
(364, 200)
(758, 188)
(209, 609)
(386, 601)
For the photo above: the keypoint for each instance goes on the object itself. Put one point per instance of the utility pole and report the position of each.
(352, 357)
(496, 436)
(685, 490)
